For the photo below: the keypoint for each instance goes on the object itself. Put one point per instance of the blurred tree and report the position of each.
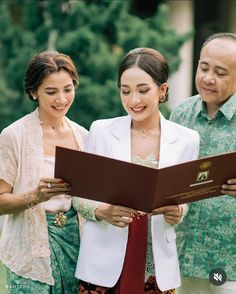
(95, 33)
(8, 95)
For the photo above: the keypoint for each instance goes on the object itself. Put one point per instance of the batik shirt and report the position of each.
(206, 239)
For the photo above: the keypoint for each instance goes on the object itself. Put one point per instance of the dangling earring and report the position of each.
(162, 98)
(34, 98)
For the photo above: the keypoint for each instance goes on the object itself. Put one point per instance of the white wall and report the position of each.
(180, 83)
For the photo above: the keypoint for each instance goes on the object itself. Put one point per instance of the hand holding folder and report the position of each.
(123, 183)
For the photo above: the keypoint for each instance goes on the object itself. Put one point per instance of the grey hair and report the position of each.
(224, 35)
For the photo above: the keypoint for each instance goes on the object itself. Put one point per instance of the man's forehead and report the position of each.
(221, 50)
(221, 44)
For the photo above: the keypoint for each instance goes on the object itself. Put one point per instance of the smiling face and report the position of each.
(216, 72)
(55, 94)
(140, 94)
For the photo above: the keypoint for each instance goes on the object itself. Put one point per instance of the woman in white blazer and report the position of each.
(143, 137)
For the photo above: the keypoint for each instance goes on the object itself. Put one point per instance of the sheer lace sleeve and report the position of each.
(86, 208)
(8, 166)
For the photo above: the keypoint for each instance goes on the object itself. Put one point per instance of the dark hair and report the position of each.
(44, 64)
(149, 60)
(229, 36)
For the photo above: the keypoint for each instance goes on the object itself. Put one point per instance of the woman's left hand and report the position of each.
(229, 188)
(172, 213)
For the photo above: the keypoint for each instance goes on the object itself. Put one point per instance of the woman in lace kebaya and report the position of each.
(40, 238)
(122, 250)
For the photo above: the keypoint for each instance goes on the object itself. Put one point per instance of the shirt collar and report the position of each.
(228, 109)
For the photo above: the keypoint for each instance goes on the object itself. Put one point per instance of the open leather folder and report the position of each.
(123, 183)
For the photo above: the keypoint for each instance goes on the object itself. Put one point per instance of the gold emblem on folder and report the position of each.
(202, 176)
(205, 164)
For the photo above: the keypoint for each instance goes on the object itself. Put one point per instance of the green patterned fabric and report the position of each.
(206, 239)
(64, 248)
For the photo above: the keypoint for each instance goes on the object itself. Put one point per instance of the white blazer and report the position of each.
(103, 246)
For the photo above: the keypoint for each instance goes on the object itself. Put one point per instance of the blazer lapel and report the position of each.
(167, 149)
(121, 145)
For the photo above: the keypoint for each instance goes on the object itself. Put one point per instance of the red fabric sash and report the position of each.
(133, 272)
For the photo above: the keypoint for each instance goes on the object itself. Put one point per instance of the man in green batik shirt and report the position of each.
(207, 236)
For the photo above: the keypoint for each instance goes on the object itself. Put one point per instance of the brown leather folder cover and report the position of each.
(123, 183)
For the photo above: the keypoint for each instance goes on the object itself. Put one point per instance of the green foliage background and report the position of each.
(96, 34)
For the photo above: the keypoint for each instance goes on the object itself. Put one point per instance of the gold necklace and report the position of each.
(144, 133)
(53, 128)
(65, 124)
